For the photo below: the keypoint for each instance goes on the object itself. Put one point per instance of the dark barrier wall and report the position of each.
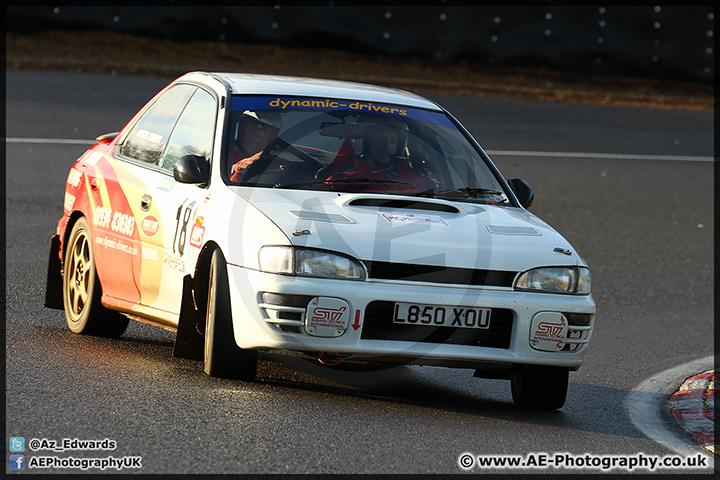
(666, 42)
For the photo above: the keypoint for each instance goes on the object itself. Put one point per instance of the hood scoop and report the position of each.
(402, 204)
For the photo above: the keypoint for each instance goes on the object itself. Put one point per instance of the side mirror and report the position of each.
(192, 169)
(522, 191)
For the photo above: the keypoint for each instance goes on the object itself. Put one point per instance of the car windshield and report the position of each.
(353, 146)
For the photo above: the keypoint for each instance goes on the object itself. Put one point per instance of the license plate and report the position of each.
(441, 315)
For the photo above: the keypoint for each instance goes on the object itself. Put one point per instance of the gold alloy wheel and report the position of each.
(81, 269)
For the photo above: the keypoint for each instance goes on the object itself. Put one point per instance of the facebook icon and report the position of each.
(17, 462)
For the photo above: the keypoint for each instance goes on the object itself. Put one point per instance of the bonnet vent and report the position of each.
(403, 204)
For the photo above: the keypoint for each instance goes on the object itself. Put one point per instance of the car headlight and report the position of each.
(309, 263)
(568, 280)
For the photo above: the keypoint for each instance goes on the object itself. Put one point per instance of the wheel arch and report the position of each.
(72, 219)
(189, 339)
(56, 262)
(202, 273)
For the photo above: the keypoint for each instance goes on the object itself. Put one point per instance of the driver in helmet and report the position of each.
(383, 144)
(255, 132)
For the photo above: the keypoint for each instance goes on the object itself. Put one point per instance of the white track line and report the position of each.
(50, 140)
(507, 153)
(648, 399)
(611, 156)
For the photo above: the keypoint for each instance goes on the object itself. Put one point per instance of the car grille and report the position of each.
(378, 325)
(439, 274)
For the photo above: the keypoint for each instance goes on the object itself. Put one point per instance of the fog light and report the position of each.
(286, 300)
(579, 319)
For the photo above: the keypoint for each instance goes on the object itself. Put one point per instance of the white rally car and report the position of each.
(348, 221)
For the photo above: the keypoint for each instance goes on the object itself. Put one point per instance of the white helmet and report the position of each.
(274, 119)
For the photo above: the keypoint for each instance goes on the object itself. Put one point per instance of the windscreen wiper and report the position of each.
(465, 192)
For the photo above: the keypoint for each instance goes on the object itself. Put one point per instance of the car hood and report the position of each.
(413, 230)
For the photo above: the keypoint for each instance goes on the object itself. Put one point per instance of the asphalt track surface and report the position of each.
(644, 223)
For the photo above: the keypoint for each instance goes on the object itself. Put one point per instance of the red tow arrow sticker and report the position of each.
(356, 324)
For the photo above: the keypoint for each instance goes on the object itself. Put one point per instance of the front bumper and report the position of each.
(279, 320)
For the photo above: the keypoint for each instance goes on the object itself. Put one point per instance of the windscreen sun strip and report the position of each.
(241, 102)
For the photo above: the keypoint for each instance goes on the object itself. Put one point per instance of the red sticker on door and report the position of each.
(150, 225)
(196, 235)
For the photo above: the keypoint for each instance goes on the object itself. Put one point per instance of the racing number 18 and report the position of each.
(181, 239)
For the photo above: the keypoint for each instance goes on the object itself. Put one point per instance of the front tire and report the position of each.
(223, 358)
(536, 386)
(82, 292)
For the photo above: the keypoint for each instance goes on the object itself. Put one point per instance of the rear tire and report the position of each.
(223, 358)
(81, 289)
(540, 387)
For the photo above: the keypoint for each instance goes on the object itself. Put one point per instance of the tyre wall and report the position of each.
(663, 42)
